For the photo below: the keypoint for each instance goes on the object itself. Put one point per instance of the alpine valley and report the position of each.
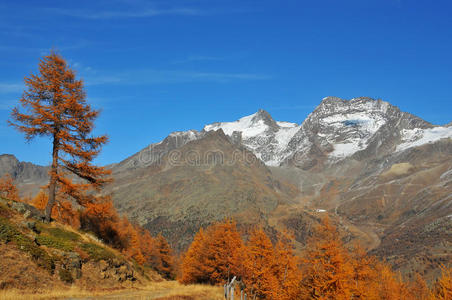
(382, 175)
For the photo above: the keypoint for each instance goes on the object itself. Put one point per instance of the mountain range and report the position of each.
(382, 175)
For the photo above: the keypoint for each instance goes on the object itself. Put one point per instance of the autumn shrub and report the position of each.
(135, 242)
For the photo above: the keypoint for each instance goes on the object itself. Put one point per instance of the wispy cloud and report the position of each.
(144, 13)
(59, 47)
(8, 88)
(170, 77)
(198, 58)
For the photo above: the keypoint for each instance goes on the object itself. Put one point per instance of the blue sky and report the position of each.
(160, 65)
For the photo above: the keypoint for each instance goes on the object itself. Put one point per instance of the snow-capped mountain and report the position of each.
(336, 130)
(267, 138)
(360, 127)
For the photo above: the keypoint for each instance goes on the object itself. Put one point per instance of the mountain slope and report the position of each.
(203, 181)
(29, 177)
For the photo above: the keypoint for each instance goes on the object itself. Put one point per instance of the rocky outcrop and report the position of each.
(117, 270)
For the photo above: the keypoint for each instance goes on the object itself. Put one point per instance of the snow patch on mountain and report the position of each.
(245, 125)
(287, 124)
(418, 137)
(261, 134)
(284, 135)
(357, 127)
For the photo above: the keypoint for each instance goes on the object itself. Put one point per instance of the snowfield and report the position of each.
(418, 137)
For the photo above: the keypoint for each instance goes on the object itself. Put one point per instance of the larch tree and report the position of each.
(328, 270)
(55, 106)
(286, 269)
(194, 269)
(442, 289)
(260, 277)
(222, 254)
(164, 259)
(8, 189)
(214, 255)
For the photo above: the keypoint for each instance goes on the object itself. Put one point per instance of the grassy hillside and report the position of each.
(41, 256)
(54, 261)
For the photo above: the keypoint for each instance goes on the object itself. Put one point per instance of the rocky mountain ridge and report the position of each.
(337, 129)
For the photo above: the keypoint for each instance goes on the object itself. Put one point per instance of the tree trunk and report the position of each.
(53, 180)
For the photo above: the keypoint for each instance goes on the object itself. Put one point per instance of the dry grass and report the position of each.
(45, 294)
(398, 170)
(165, 290)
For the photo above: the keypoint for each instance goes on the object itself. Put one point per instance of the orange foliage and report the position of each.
(286, 269)
(40, 200)
(8, 189)
(443, 287)
(163, 259)
(327, 268)
(193, 267)
(55, 106)
(419, 289)
(260, 279)
(213, 257)
(218, 253)
(330, 271)
(62, 211)
(102, 219)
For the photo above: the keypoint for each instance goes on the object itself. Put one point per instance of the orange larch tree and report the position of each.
(8, 189)
(193, 268)
(286, 269)
(222, 253)
(163, 261)
(55, 106)
(260, 278)
(442, 288)
(214, 255)
(327, 269)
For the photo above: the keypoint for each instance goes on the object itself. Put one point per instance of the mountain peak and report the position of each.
(265, 117)
(368, 101)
